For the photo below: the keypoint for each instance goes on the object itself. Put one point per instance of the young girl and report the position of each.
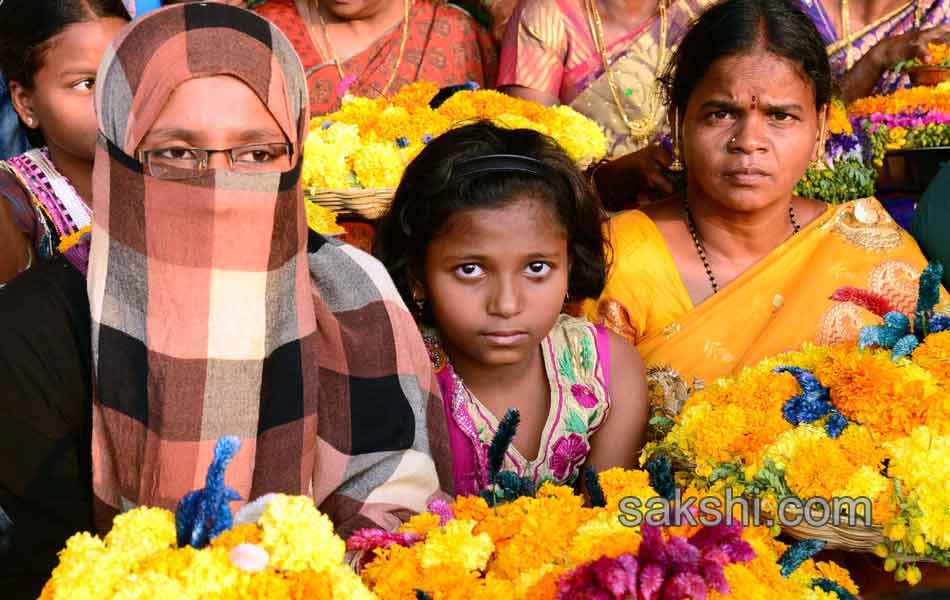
(50, 52)
(491, 232)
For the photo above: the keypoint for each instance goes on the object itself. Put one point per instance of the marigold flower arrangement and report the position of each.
(289, 552)
(369, 141)
(846, 172)
(550, 545)
(870, 420)
(917, 117)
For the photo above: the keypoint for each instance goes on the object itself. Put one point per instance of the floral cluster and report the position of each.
(917, 117)
(846, 172)
(870, 420)
(322, 219)
(550, 545)
(937, 55)
(369, 141)
(290, 553)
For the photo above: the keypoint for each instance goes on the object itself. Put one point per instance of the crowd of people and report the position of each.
(161, 287)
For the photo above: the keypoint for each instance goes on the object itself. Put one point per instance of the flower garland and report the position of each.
(538, 546)
(847, 421)
(847, 172)
(322, 219)
(917, 117)
(291, 553)
(369, 141)
(550, 546)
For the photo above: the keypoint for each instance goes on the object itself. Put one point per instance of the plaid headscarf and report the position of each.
(212, 316)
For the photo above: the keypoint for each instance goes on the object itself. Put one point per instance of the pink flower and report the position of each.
(666, 568)
(443, 510)
(567, 453)
(370, 539)
(584, 395)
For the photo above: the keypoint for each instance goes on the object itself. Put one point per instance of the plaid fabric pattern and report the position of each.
(214, 313)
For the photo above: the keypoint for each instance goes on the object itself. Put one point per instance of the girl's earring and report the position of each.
(29, 121)
(676, 166)
(420, 306)
(818, 163)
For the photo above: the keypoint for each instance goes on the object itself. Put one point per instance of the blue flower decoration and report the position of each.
(203, 514)
(812, 404)
(402, 142)
(798, 554)
(894, 334)
(427, 138)
(938, 323)
(326, 125)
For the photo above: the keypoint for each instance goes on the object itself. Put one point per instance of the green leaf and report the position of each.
(565, 364)
(587, 355)
(575, 424)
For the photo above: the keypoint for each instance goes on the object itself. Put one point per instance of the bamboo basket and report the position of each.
(367, 203)
(860, 538)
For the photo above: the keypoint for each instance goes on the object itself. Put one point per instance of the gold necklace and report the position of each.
(332, 53)
(639, 128)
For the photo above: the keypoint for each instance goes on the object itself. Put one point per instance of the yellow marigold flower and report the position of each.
(456, 544)
(394, 572)
(141, 531)
(530, 578)
(321, 219)
(867, 482)
(922, 447)
(619, 483)
(298, 536)
(326, 154)
(422, 524)
(150, 586)
(345, 585)
(378, 165)
(934, 503)
(515, 121)
(86, 570)
(934, 355)
(603, 535)
(418, 93)
(864, 384)
(838, 118)
(471, 507)
(209, 572)
(249, 533)
(905, 100)
(817, 468)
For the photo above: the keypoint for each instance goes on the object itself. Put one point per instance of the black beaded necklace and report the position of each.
(701, 250)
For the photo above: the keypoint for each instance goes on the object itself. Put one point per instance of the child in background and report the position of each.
(49, 53)
(490, 233)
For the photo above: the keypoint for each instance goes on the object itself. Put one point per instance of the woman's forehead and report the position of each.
(761, 73)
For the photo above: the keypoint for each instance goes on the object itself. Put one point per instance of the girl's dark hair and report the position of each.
(431, 195)
(26, 27)
(736, 26)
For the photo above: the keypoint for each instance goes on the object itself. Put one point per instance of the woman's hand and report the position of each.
(912, 44)
(860, 80)
(638, 177)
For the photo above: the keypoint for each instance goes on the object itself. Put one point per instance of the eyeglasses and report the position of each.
(182, 163)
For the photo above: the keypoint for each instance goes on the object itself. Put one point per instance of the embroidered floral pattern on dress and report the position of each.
(567, 454)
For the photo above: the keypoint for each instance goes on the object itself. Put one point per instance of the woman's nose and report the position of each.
(748, 136)
(506, 299)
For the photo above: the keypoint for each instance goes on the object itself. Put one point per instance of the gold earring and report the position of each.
(818, 164)
(676, 166)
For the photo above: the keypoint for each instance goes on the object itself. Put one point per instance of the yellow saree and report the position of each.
(779, 303)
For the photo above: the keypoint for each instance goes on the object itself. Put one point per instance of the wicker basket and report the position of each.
(370, 204)
(850, 538)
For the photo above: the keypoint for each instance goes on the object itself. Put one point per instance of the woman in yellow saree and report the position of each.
(737, 268)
